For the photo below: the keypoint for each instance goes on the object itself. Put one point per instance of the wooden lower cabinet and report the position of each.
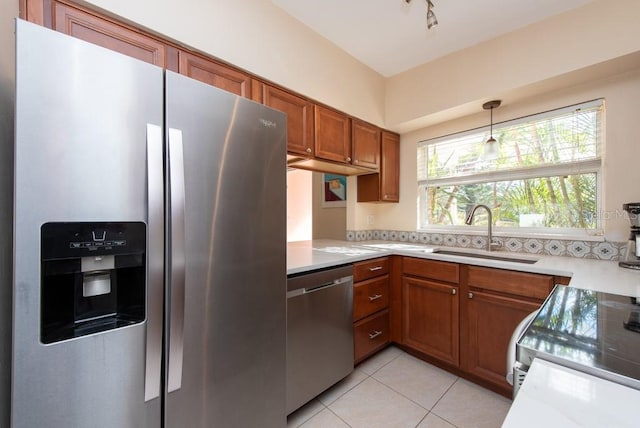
(371, 330)
(370, 335)
(431, 318)
(370, 296)
(487, 327)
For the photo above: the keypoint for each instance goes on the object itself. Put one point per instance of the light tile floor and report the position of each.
(393, 389)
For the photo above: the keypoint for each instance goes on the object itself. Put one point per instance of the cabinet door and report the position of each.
(385, 185)
(390, 168)
(107, 34)
(489, 323)
(332, 135)
(214, 74)
(365, 142)
(299, 118)
(430, 322)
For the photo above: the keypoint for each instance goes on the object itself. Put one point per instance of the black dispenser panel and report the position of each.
(93, 278)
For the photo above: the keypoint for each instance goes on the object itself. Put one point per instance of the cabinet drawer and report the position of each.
(370, 269)
(370, 335)
(432, 269)
(505, 281)
(370, 296)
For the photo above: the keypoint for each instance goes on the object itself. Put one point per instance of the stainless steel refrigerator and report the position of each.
(149, 247)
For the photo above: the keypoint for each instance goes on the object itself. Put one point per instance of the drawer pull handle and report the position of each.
(471, 295)
(375, 268)
(375, 334)
(376, 297)
(453, 291)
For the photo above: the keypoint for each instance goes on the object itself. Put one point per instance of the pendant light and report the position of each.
(491, 146)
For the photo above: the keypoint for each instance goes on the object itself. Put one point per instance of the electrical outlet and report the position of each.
(370, 220)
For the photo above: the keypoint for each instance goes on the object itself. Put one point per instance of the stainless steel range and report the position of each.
(594, 332)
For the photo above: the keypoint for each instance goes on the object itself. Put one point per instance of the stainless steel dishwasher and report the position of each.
(319, 332)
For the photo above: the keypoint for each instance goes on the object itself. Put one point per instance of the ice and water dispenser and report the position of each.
(93, 278)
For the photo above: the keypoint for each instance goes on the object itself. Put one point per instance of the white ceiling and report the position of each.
(390, 36)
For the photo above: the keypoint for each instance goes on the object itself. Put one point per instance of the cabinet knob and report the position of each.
(453, 291)
(470, 295)
(375, 297)
(308, 149)
(348, 159)
(375, 334)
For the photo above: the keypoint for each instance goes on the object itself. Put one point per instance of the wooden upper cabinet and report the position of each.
(299, 118)
(214, 74)
(332, 135)
(384, 186)
(99, 31)
(365, 143)
(390, 167)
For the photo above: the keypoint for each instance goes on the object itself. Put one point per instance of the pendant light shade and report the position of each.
(491, 146)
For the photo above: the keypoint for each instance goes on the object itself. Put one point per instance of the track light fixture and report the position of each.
(431, 17)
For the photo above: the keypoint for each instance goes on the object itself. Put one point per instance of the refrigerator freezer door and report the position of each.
(233, 371)
(80, 156)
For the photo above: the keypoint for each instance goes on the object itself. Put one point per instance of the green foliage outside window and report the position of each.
(545, 174)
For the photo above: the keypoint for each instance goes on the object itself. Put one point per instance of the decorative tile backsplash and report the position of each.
(605, 250)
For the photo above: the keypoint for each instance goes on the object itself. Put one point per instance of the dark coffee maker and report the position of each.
(631, 257)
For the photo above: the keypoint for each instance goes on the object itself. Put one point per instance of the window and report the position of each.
(545, 177)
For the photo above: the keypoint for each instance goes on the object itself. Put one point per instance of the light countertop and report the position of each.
(599, 275)
(555, 396)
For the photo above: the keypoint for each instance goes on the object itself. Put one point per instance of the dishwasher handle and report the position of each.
(320, 287)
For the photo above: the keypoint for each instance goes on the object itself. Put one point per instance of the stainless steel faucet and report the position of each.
(469, 221)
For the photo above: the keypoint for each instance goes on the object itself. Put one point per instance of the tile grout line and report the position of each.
(412, 400)
(440, 399)
(338, 416)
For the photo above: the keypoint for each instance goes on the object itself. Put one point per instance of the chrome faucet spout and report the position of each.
(469, 221)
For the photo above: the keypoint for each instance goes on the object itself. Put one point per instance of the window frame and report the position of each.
(588, 166)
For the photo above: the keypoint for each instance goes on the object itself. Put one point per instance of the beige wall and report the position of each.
(261, 38)
(458, 84)
(621, 158)
(328, 223)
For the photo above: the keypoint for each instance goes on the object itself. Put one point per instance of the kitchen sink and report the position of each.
(480, 256)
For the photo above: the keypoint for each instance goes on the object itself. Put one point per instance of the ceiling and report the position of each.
(390, 36)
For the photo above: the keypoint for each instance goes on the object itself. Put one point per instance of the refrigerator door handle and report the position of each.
(177, 259)
(155, 261)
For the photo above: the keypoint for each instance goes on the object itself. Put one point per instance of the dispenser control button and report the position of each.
(99, 236)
